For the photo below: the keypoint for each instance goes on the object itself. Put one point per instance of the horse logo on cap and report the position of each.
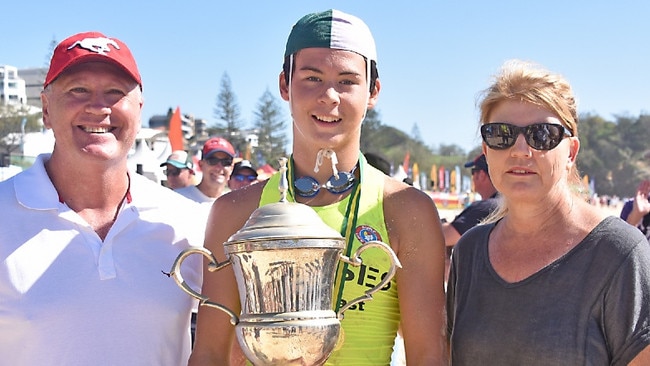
(98, 45)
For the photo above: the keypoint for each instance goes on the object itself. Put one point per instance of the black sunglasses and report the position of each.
(173, 172)
(213, 160)
(539, 136)
(242, 177)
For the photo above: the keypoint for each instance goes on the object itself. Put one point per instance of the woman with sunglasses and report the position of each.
(549, 279)
(243, 174)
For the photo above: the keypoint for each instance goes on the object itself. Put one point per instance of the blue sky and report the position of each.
(434, 56)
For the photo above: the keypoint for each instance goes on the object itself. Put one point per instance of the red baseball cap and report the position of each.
(216, 144)
(91, 46)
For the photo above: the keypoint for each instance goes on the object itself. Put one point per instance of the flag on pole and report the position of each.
(447, 183)
(415, 172)
(452, 181)
(434, 177)
(175, 131)
(405, 164)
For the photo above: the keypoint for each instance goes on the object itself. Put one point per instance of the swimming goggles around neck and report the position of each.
(307, 186)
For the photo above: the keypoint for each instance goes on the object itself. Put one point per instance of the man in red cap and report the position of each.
(216, 166)
(83, 240)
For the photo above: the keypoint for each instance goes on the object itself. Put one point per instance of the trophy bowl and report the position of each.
(305, 342)
(284, 260)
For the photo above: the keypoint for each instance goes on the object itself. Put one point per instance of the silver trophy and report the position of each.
(285, 259)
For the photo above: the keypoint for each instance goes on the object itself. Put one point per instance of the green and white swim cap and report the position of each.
(332, 29)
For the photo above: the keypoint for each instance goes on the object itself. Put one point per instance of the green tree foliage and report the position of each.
(388, 141)
(450, 150)
(370, 131)
(614, 154)
(415, 133)
(229, 123)
(48, 56)
(270, 125)
(226, 112)
(11, 126)
(395, 144)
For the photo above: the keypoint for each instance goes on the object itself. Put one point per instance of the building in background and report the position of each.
(14, 104)
(34, 78)
(12, 87)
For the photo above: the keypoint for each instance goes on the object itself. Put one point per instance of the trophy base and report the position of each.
(291, 342)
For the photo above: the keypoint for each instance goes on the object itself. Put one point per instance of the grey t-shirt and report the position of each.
(590, 307)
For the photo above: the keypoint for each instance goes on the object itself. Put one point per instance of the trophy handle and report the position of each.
(356, 261)
(213, 266)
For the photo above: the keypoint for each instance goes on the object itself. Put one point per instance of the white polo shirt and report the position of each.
(67, 298)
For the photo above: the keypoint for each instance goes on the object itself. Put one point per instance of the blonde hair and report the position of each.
(529, 82)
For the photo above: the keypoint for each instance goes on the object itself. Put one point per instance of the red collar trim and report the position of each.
(128, 189)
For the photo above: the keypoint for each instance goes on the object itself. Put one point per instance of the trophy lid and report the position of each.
(284, 220)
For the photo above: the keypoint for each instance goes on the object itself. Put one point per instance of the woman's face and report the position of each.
(521, 173)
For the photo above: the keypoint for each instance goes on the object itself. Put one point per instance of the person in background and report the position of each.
(243, 174)
(636, 211)
(83, 240)
(548, 280)
(216, 166)
(179, 169)
(473, 214)
(330, 79)
(378, 161)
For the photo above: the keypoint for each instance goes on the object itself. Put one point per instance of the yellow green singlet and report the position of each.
(368, 328)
